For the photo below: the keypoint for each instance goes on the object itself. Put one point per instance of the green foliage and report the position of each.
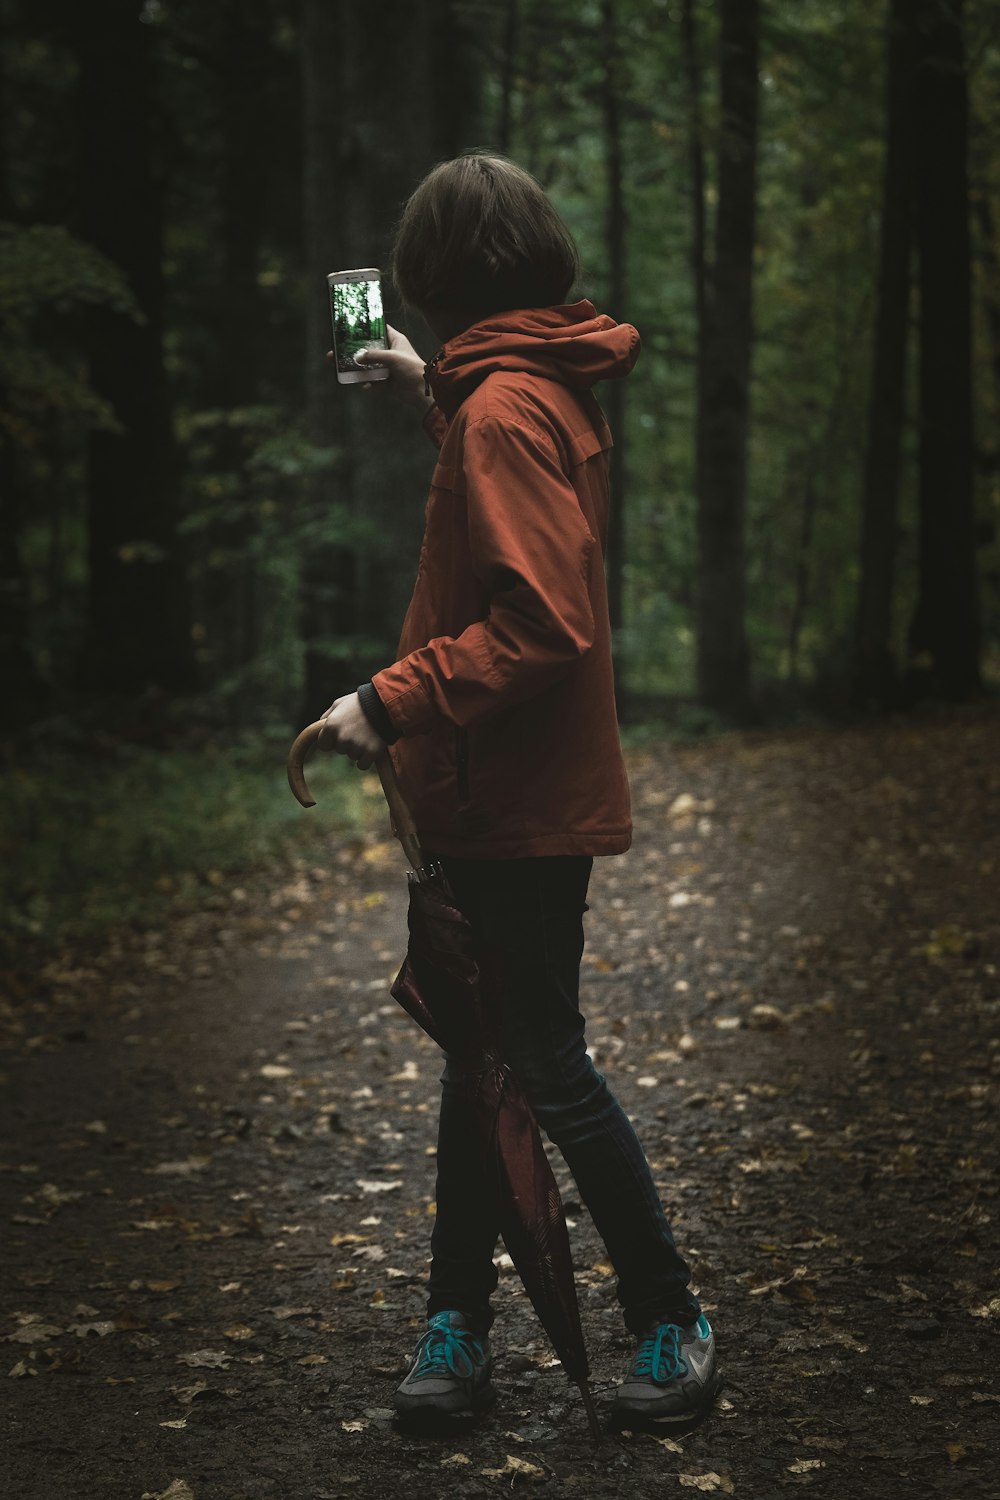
(47, 276)
(87, 845)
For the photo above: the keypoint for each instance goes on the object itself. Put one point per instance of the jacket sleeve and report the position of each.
(532, 551)
(435, 424)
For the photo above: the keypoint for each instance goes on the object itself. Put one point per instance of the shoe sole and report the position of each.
(435, 1418)
(635, 1420)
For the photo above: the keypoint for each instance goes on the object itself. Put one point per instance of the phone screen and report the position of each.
(358, 320)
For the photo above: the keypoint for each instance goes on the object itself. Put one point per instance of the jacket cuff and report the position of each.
(376, 713)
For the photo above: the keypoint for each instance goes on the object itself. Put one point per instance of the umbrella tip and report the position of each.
(588, 1405)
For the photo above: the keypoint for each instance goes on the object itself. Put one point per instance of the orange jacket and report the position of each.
(503, 694)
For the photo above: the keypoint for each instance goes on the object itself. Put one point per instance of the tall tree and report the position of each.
(874, 667)
(944, 634)
(615, 238)
(328, 604)
(370, 134)
(19, 680)
(725, 341)
(138, 618)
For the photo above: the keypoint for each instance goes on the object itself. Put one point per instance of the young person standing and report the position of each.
(500, 712)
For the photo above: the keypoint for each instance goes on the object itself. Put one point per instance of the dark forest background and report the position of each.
(204, 540)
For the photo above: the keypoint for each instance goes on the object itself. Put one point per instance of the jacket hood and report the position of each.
(571, 343)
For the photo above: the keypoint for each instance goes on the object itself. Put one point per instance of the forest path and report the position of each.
(218, 1142)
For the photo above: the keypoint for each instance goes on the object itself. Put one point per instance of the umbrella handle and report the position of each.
(404, 826)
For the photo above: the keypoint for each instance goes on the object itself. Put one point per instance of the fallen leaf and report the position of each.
(766, 1018)
(956, 1451)
(367, 1186)
(804, 1465)
(180, 1422)
(238, 1331)
(706, 1482)
(34, 1333)
(312, 1359)
(409, 1073)
(516, 1466)
(185, 1394)
(455, 1460)
(178, 1489)
(209, 1359)
(275, 1070)
(358, 1425)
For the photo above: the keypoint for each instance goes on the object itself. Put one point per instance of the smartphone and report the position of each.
(358, 323)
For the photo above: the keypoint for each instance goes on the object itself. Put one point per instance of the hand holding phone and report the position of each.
(406, 370)
(358, 323)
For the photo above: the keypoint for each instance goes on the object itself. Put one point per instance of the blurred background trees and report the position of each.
(781, 199)
(796, 203)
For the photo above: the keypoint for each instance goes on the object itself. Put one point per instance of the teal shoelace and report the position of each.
(659, 1357)
(444, 1350)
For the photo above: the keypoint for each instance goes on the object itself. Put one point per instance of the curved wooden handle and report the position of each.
(403, 825)
(296, 763)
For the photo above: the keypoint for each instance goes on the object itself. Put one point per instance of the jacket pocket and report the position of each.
(462, 762)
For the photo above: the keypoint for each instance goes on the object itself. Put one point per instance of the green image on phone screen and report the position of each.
(358, 320)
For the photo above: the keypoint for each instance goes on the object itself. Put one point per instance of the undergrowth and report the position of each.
(124, 835)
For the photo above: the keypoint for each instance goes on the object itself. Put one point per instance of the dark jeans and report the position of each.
(528, 916)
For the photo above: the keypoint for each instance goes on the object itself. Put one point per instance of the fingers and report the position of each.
(398, 341)
(393, 358)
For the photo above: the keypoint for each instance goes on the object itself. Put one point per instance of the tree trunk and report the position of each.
(505, 128)
(240, 66)
(991, 306)
(944, 637)
(614, 239)
(138, 627)
(450, 36)
(699, 270)
(723, 657)
(874, 668)
(370, 135)
(329, 605)
(20, 684)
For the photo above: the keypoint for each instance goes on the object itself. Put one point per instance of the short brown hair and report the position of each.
(479, 235)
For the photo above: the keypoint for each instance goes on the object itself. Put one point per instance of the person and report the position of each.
(500, 714)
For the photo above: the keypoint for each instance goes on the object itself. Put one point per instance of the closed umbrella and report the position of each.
(439, 986)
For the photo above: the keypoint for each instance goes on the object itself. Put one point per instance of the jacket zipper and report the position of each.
(429, 369)
(462, 762)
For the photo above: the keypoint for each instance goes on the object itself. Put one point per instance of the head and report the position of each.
(478, 236)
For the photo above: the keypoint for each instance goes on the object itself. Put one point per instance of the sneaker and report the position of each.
(673, 1380)
(450, 1372)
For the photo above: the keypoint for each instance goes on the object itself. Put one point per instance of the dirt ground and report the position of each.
(218, 1146)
